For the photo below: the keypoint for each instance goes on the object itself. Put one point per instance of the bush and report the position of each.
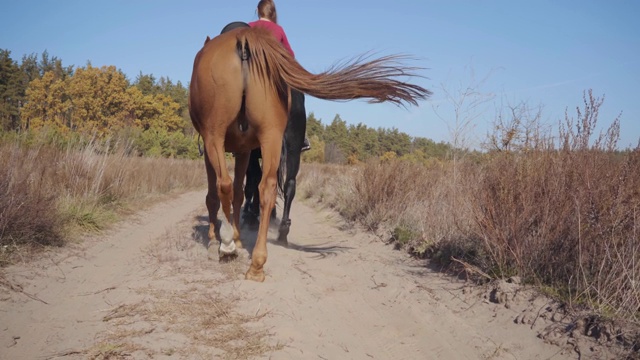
(162, 143)
(28, 201)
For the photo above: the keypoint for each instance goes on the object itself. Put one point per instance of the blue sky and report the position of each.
(541, 52)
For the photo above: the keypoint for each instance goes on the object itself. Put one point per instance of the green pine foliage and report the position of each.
(340, 143)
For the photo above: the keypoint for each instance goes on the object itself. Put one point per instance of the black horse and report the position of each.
(251, 193)
(294, 142)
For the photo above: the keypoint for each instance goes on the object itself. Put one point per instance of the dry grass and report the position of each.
(416, 206)
(110, 351)
(561, 211)
(47, 193)
(198, 314)
(568, 220)
(182, 313)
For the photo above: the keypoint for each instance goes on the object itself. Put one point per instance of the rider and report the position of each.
(268, 19)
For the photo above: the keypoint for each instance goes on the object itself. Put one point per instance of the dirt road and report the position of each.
(146, 290)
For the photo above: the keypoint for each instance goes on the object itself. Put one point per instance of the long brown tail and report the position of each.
(378, 80)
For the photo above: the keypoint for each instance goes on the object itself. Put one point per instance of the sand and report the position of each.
(146, 290)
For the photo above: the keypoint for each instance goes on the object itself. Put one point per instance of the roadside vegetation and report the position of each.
(49, 193)
(559, 208)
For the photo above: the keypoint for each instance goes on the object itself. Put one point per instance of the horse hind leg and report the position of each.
(212, 199)
(271, 146)
(254, 173)
(294, 140)
(227, 244)
(242, 160)
(293, 165)
(224, 188)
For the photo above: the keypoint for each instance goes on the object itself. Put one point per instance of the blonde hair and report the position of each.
(267, 10)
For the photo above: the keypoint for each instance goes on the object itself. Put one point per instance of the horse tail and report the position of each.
(378, 80)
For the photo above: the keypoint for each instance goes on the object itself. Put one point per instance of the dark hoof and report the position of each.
(227, 258)
(282, 240)
(282, 235)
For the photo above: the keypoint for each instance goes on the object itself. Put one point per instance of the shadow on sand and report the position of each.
(249, 234)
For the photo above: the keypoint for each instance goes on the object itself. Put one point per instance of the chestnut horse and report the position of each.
(290, 158)
(238, 101)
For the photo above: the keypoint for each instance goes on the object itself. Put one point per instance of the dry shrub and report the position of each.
(28, 214)
(562, 212)
(416, 205)
(566, 215)
(103, 177)
(326, 183)
(382, 189)
(46, 191)
(414, 201)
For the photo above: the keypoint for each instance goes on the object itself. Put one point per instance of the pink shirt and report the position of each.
(276, 30)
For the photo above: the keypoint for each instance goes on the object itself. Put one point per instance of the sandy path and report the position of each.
(146, 290)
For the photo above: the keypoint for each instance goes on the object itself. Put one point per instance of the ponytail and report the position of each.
(267, 9)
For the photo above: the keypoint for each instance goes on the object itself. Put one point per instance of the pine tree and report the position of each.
(11, 91)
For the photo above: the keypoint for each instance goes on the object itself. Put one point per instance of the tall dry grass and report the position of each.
(562, 211)
(414, 205)
(47, 192)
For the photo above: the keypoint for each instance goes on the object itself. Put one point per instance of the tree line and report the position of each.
(39, 94)
(338, 142)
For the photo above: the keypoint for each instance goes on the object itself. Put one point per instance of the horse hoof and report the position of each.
(223, 253)
(257, 276)
(283, 232)
(216, 254)
(227, 249)
(227, 258)
(282, 239)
